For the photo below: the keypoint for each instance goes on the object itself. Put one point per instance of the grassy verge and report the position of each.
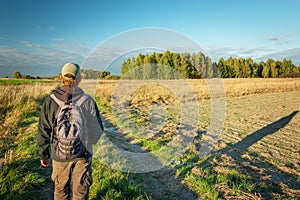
(21, 173)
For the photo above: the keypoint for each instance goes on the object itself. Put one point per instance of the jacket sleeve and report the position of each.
(94, 122)
(44, 131)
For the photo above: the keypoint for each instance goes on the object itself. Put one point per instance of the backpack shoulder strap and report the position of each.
(82, 99)
(59, 102)
(79, 102)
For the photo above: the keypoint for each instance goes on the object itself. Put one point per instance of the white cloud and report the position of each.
(39, 60)
(292, 54)
(76, 46)
(257, 53)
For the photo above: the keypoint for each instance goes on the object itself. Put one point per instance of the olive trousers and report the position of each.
(72, 179)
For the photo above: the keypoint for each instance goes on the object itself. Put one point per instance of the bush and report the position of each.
(17, 75)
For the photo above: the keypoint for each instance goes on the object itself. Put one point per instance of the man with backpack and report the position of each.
(69, 124)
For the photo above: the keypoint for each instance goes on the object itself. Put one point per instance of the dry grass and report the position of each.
(14, 94)
(200, 88)
(16, 100)
(238, 87)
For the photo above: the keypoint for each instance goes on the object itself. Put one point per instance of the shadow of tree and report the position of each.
(255, 167)
(245, 143)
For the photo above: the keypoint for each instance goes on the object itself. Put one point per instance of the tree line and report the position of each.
(86, 73)
(166, 65)
(174, 65)
(247, 68)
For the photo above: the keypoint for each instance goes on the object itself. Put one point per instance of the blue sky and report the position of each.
(37, 36)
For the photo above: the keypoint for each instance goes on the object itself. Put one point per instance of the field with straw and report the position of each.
(256, 156)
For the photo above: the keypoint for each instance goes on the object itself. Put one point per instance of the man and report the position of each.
(67, 171)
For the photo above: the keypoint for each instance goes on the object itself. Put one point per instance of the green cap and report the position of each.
(72, 69)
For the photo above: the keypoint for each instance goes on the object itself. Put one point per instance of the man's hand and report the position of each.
(45, 163)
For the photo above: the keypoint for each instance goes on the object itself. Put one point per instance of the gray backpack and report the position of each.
(70, 140)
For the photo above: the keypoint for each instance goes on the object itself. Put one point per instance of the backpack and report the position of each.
(70, 141)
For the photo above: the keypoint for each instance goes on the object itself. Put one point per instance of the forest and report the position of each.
(201, 66)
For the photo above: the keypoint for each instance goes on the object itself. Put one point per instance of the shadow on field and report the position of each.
(260, 168)
(244, 144)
